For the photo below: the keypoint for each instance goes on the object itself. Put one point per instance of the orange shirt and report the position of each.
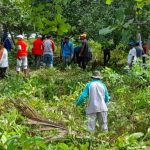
(22, 48)
(37, 47)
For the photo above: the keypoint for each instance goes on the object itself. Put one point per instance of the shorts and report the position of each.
(22, 63)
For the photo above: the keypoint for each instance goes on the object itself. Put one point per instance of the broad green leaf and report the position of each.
(105, 31)
(148, 131)
(108, 2)
(137, 135)
(126, 25)
(84, 147)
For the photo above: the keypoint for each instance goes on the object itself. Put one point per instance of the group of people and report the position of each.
(136, 53)
(97, 93)
(68, 54)
(43, 52)
(95, 90)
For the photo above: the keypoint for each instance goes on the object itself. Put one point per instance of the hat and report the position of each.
(131, 44)
(96, 75)
(20, 36)
(39, 36)
(83, 35)
(48, 36)
(66, 37)
(137, 43)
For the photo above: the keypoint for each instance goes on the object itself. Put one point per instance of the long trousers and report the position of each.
(66, 60)
(37, 61)
(102, 121)
(3, 72)
(48, 60)
(82, 62)
(106, 58)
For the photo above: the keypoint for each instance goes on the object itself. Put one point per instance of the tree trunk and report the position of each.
(8, 30)
(12, 38)
(139, 39)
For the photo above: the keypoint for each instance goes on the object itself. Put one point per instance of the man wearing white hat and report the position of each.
(98, 97)
(22, 53)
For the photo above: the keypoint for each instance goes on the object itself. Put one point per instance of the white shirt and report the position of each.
(4, 59)
(132, 53)
(96, 101)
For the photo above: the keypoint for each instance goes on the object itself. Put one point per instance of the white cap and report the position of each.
(20, 36)
(39, 36)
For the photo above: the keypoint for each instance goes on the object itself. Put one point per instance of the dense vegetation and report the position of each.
(101, 19)
(52, 92)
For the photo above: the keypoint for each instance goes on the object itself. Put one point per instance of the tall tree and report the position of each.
(103, 20)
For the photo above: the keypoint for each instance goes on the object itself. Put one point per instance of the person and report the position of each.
(131, 55)
(76, 58)
(3, 61)
(98, 98)
(84, 51)
(139, 50)
(7, 42)
(145, 48)
(49, 47)
(106, 55)
(145, 52)
(22, 61)
(67, 51)
(37, 51)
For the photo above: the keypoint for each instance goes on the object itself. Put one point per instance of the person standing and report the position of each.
(3, 61)
(76, 54)
(145, 53)
(67, 51)
(131, 55)
(98, 98)
(7, 42)
(106, 55)
(139, 50)
(37, 51)
(49, 47)
(22, 61)
(84, 51)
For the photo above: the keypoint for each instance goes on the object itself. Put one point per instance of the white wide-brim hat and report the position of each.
(20, 36)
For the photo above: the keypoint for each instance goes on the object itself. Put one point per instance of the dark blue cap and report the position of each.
(131, 44)
(137, 44)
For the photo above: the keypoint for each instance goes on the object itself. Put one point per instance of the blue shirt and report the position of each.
(67, 49)
(8, 44)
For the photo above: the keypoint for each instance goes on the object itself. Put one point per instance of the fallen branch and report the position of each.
(33, 117)
(45, 123)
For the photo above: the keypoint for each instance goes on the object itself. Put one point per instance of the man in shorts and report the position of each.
(22, 61)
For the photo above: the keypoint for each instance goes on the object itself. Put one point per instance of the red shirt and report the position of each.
(37, 47)
(145, 48)
(22, 48)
